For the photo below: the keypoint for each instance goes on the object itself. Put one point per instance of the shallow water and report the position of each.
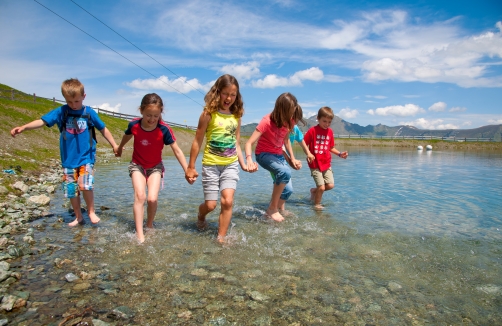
(406, 238)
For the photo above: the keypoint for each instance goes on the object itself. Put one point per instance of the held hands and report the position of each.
(117, 150)
(191, 175)
(250, 166)
(297, 164)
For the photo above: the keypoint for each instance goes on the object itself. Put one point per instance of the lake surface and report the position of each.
(406, 238)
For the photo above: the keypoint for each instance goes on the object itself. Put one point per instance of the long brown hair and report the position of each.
(212, 97)
(284, 110)
(151, 98)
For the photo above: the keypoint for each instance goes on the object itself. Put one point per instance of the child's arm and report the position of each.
(109, 138)
(181, 159)
(338, 153)
(287, 143)
(125, 139)
(251, 166)
(310, 156)
(190, 173)
(29, 126)
(244, 167)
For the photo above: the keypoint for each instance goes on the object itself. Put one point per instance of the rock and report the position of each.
(257, 296)
(5, 266)
(40, 200)
(8, 302)
(81, 286)
(98, 322)
(4, 275)
(70, 277)
(3, 190)
(4, 321)
(394, 287)
(20, 186)
(121, 312)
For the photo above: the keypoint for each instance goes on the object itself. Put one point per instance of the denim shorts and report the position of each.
(216, 178)
(279, 169)
(77, 179)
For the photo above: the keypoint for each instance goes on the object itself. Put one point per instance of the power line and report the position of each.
(116, 52)
(136, 46)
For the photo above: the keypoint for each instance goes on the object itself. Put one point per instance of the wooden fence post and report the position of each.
(12, 94)
(54, 100)
(34, 98)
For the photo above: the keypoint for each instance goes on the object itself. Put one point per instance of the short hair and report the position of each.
(71, 87)
(149, 99)
(325, 112)
(212, 98)
(284, 110)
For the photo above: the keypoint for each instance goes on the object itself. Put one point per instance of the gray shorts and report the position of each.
(159, 168)
(216, 178)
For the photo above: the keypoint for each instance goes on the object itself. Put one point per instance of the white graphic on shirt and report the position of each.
(145, 142)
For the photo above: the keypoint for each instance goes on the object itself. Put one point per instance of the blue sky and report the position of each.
(430, 64)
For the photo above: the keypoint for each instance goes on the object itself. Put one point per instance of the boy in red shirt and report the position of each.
(321, 143)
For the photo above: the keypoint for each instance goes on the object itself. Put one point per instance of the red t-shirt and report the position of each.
(320, 141)
(272, 137)
(148, 145)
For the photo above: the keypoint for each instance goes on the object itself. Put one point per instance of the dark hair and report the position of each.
(149, 99)
(212, 97)
(325, 112)
(284, 110)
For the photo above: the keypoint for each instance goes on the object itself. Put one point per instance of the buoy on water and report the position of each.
(419, 147)
(429, 147)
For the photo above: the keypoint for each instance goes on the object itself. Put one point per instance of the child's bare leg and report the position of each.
(138, 208)
(89, 201)
(273, 207)
(75, 204)
(153, 185)
(205, 208)
(312, 193)
(227, 202)
(318, 197)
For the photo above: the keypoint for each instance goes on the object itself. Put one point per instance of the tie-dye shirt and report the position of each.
(221, 140)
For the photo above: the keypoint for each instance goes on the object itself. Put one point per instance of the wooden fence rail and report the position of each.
(28, 98)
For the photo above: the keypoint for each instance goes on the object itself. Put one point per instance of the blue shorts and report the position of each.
(75, 180)
(279, 169)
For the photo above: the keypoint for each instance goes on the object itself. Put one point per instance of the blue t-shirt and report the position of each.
(296, 134)
(76, 150)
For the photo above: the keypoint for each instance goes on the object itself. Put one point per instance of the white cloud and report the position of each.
(244, 71)
(272, 81)
(179, 85)
(397, 110)
(495, 121)
(347, 113)
(380, 97)
(108, 107)
(423, 123)
(457, 109)
(438, 107)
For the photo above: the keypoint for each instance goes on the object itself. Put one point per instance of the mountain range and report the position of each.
(342, 127)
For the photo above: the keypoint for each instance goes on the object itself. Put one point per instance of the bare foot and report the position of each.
(201, 223)
(94, 218)
(221, 239)
(285, 212)
(148, 229)
(276, 216)
(312, 193)
(318, 207)
(141, 239)
(76, 222)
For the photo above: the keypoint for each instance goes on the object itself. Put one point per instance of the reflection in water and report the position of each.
(406, 238)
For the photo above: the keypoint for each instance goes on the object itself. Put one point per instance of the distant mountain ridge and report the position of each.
(342, 127)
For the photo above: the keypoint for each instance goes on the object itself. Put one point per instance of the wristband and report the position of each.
(340, 154)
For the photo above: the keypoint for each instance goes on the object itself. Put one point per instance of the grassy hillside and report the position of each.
(34, 149)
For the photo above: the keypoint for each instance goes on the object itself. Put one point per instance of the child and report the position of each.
(220, 121)
(77, 145)
(297, 135)
(272, 133)
(146, 168)
(322, 143)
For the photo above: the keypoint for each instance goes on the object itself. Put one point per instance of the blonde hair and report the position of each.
(325, 112)
(284, 110)
(71, 87)
(212, 97)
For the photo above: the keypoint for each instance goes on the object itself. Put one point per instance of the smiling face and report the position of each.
(227, 97)
(151, 116)
(325, 122)
(75, 102)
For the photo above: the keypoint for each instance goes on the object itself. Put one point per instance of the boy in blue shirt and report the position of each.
(77, 145)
